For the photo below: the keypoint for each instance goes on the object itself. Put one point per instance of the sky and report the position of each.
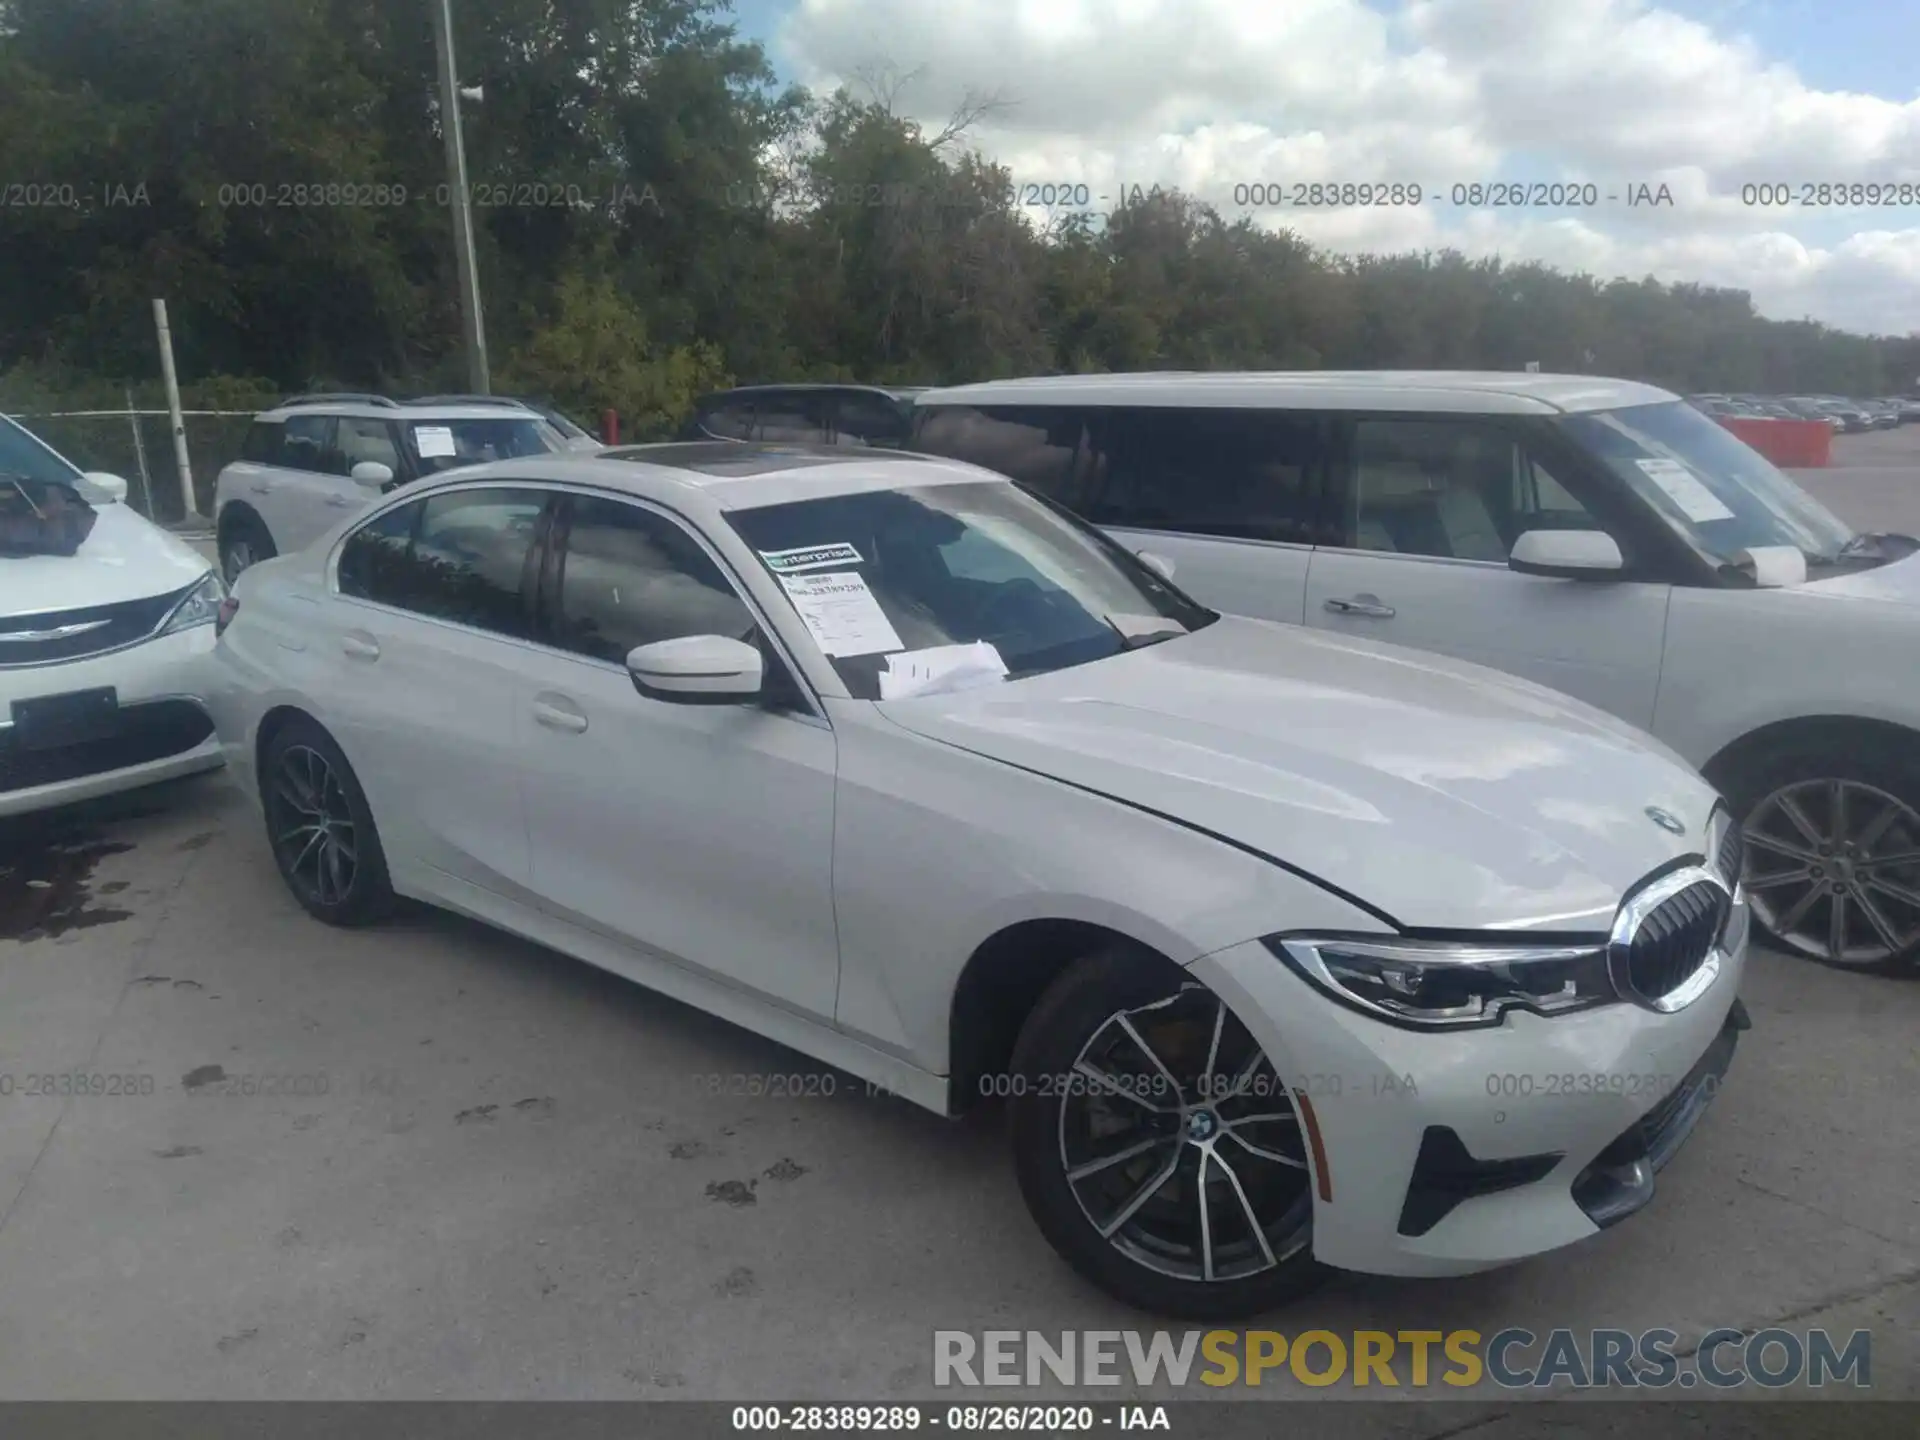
(1705, 97)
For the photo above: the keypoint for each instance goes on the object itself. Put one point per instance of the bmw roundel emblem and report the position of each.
(1666, 820)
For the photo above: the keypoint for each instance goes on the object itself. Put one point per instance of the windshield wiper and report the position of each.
(1876, 547)
(1140, 639)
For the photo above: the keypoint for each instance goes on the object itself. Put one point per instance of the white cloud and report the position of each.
(1213, 94)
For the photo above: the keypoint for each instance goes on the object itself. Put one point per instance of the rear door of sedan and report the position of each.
(421, 673)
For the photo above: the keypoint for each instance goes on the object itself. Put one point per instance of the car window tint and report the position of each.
(791, 417)
(631, 577)
(728, 422)
(262, 445)
(307, 443)
(870, 420)
(1248, 474)
(1043, 447)
(1460, 490)
(471, 555)
(368, 440)
(375, 563)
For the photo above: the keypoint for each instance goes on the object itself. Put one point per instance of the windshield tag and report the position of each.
(1683, 487)
(433, 441)
(1774, 567)
(940, 669)
(810, 557)
(841, 614)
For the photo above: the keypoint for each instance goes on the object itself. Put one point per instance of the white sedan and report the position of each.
(1286, 951)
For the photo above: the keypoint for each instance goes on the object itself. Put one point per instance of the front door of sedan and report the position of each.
(422, 675)
(702, 833)
(1431, 507)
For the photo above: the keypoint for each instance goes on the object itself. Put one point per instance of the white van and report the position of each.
(1598, 536)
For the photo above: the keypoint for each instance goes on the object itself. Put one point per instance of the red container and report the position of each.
(610, 427)
(1792, 444)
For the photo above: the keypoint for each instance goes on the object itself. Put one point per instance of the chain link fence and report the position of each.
(138, 446)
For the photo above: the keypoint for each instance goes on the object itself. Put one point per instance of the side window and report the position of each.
(262, 445)
(731, 421)
(1044, 448)
(307, 443)
(375, 563)
(1459, 489)
(870, 420)
(798, 417)
(631, 577)
(474, 558)
(362, 440)
(1244, 474)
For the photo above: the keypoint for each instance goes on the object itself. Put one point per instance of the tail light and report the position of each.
(229, 607)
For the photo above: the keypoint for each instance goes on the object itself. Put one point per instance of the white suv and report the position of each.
(1598, 536)
(314, 459)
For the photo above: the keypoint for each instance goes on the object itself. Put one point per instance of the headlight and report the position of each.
(1448, 984)
(201, 606)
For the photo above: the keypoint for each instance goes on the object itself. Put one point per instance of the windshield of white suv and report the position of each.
(1705, 482)
(915, 569)
(449, 444)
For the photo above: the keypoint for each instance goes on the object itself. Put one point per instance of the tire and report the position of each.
(306, 784)
(1153, 1261)
(1877, 778)
(244, 542)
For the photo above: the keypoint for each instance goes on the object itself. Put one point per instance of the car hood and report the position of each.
(124, 557)
(1442, 794)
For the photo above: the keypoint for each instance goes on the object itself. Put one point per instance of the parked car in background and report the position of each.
(1885, 413)
(314, 459)
(1597, 536)
(103, 618)
(919, 775)
(577, 436)
(1808, 408)
(870, 415)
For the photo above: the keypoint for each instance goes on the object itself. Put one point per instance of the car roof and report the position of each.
(826, 387)
(723, 475)
(1438, 391)
(365, 410)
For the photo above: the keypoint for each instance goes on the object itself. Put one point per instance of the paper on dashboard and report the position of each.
(840, 613)
(433, 441)
(941, 669)
(1683, 487)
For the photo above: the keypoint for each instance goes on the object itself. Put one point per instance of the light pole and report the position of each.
(472, 321)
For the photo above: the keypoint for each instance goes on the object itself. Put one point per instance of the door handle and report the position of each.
(1362, 605)
(360, 647)
(559, 716)
(261, 487)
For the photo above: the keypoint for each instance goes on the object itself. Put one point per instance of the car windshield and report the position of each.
(25, 455)
(449, 444)
(915, 569)
(1705, 482)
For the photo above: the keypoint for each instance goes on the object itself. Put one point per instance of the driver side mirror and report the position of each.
(112, 486)
(373, 474)
(698, 670)
(1568, 555)
(1159, 564)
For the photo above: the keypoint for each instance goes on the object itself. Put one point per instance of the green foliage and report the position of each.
(656, 217)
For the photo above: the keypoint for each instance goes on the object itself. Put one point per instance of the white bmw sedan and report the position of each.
(1285, 950)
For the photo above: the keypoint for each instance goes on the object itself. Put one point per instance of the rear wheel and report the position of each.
(243, 542)
(1833, 851)
(1155, 1145)
(321, 828)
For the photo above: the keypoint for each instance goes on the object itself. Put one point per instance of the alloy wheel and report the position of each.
(312, 825)
(1833, 869)
(1182, 1146)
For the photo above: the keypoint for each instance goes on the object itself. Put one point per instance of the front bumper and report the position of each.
(1443, 1154)
(162, 730)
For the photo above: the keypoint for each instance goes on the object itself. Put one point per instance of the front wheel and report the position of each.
(1833, 852)
(243, 544)
(1156, 1147)
(321, 828)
